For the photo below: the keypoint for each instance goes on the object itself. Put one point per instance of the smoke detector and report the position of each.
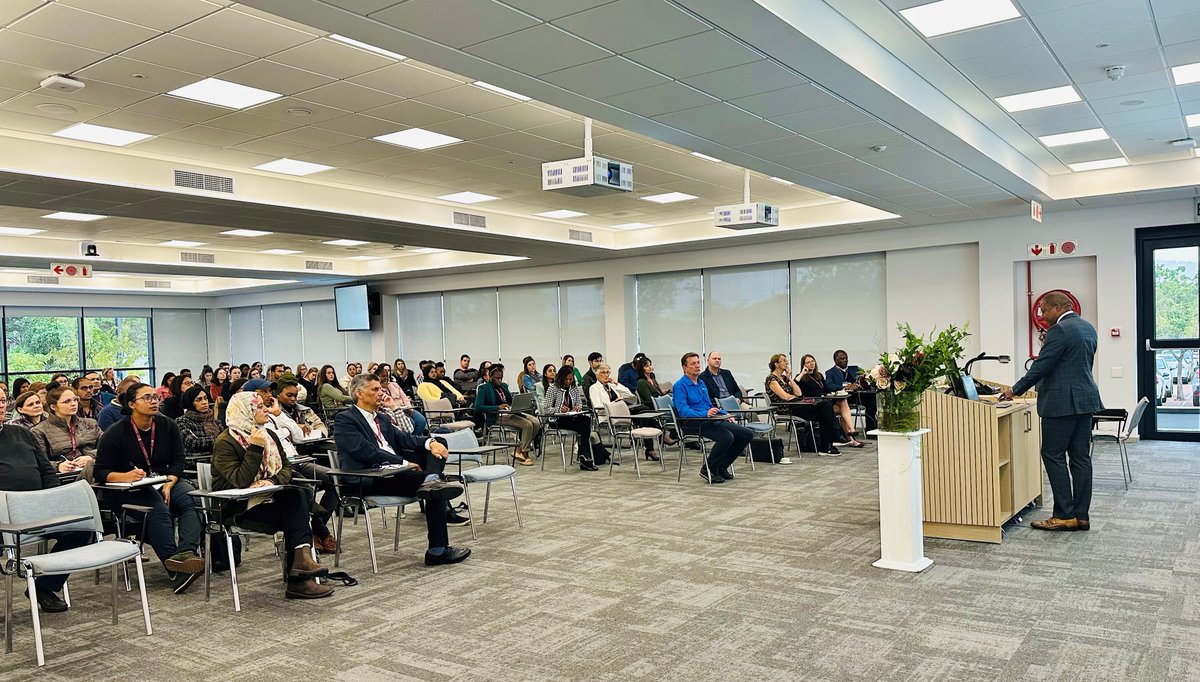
(1115, 72)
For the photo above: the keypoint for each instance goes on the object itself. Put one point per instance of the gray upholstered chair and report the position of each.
(1126, 423)
(622, 427)
(487, 474)
(351, 493)
(26, 516)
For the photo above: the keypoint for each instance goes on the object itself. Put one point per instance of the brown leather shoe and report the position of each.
(1084, 524)
(329, 544)
(1053, 523)
(307, 589)
(303, 564)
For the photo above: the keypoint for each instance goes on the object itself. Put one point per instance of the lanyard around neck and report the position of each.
(138, 437)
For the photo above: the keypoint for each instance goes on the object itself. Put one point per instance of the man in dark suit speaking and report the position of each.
(367, 441)
(1067, 398)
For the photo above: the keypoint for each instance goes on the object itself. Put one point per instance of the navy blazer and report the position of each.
(730, 383)
(1063, 370)
(359, 449)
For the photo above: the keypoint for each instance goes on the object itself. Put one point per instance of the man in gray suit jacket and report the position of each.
(1067, 398)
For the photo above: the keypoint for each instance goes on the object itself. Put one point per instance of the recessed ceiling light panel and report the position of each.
(345, 242)
(632, 226)
(417, 138)
(669, 197)
(1039, 99)
(467, 197)
(19, 231)
(1193, 120)
(293, 167)
(101, 134)
(246, 233)
(1076, 137)
(502, 91)
(560, 214)
(77, 217)
(1187, 73)
(706, 157)
(224, 94)
(947, 16)
(427, 249)
(280, 252)
(364, 257)
(182, 243)
(367, 46)
(1102, 163)
(781, 181)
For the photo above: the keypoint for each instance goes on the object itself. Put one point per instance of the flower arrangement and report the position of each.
(902, 377)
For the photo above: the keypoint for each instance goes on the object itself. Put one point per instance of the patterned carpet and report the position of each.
(766, 578)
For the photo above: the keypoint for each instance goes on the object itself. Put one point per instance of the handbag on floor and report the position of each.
(767, 450)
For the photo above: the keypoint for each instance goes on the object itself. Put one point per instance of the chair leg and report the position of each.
(371, 542)
(114, 594)
(207, 563)
(8, 613)
(396, 539)
(137, 562)
(471, 518)
(67, 594)
(237, 596)
(487, 496)
(37, 621)
(337, 551)
(383, 515)
(679, 474)
(513, 482)
(637, 465)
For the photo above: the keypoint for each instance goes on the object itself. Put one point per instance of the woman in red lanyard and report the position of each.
(144, 444)
(69, 440)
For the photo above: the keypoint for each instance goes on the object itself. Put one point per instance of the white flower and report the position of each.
(900, 386)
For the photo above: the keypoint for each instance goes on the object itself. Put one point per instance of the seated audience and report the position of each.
(198, 424)
(437, 386)
(28, 410)
(68, 439)
(720, 382)
(256, 372)
(248, 455)
(404, 377)
(308, 386)
(173, 407)
(85, 388)
(785, 393)
(23, 466)
(564, 407)
(330, 390)
(60, 379)
(493, 397)
(353, 369)
(227, 390)
(145, 443)
(19, 386)
(164, 388)
(528, 377)
(812, 385)
(206, 377)
(569, 361)
(692, 401)
(548, 374)
(413, 421)
(111, 414)
(846, 377)
(465, 378)
(108, 380)
(424, 366)
(366, 441)
(275, 371)
(589, 377)
(482, 373)
(648, 389)
(287, 390)
(627, 374)
(607, 390)
(215, 388)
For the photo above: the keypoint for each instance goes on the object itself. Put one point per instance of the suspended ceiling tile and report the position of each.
(538, 50)
(19, 76)
(108, 95)
(1081, 47)
(331, 58)
(661, 99)
(708, 117)
(380, 167)
(178, 109)
(1088, 151)
(405, 80)
(364, 7)
(469, 151)
(268, 75)
(993, 39)
(85, 29)
(1062, 112)
(44, 53)
(241, 32)
(272, 148)
(787, 101)
(605, 78)
(11, 120)
(142, 123)
(163, 16)
(772, 149)
(245, 122)
(694, 55)
(362, 127)
(520, 116)
(348, 96)
(177, 52)
(1137, 62)
(207, 135)
(479, 20)
(289, 109)
(467, 128)
(1141, 115)
(1017, 61)
(411, 113)
(1179, 29)
(13, 9)
(466, 99)
(628, 25)
(745, 80)
(553, 9)
(28, 104)
(315, 137)
(370, 149)
(827, 118)
(1062, 125)
(1129, 85)
(1093, 17)
(1029, 81)
(565, 132)
(120, 71)
(754, 131)
(1183, 53)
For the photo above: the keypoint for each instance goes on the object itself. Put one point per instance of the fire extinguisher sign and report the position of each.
(1040, 250)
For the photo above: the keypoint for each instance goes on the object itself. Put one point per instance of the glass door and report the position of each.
(1169, 327)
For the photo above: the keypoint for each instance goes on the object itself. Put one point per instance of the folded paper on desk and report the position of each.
(149, 480)
(238, 492)
(406, 465)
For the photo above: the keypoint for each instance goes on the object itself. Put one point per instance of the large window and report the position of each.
(41, 342)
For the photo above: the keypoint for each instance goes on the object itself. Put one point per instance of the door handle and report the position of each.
(1028, 422)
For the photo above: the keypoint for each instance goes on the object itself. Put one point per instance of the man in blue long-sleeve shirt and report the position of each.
(692, 401)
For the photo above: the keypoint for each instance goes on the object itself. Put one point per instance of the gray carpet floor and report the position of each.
(766, 578)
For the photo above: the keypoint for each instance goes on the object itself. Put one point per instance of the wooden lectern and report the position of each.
(981, 464)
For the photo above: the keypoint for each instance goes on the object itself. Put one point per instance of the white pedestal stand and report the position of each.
(901, 540)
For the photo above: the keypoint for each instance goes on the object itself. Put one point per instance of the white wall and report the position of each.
(931, 288)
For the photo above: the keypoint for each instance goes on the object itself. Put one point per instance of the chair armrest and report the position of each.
(37, 526)
(313, 481)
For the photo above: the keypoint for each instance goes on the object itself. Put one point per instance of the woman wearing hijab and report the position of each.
(247, 455)
(198, 423)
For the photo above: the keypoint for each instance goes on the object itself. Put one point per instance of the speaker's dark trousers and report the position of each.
(1065, 454)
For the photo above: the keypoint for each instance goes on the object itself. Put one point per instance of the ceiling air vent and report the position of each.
(193, 257)
(580, 235)
(41, 279)
(469, 219)
(318, 265)
(208, 183)
(157, 284)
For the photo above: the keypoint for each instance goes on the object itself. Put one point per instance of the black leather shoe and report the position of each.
(440, 491)
(453, 518)
(182, 581)
(716, 479)
(49, 602)
(449, 555)
(726, 474)
(588, 466)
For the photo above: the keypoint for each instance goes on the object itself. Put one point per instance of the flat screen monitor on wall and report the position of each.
(353, 311)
